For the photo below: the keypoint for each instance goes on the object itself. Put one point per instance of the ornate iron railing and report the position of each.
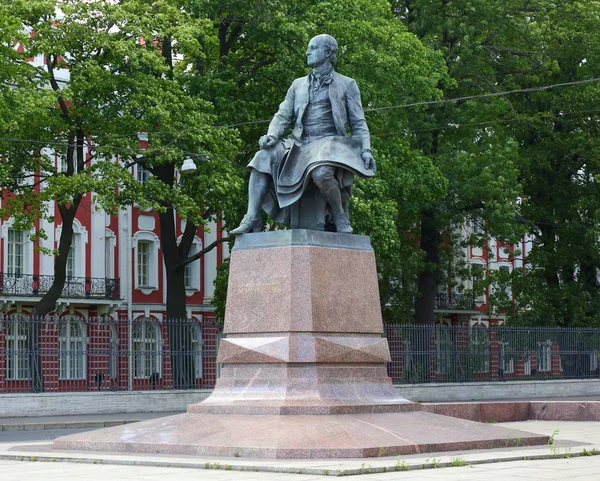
(75, 287)
(454, 300)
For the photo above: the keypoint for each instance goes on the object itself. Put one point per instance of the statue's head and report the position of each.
(321, 49)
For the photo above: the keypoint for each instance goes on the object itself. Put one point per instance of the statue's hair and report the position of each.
(331, 44)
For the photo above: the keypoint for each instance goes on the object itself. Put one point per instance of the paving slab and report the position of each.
(570, 441)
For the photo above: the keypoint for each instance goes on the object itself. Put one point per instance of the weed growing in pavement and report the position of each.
(457, 462)
(552, 436)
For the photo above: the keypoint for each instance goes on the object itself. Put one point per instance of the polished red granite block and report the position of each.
(296, 437)
(303, 371)
(565, 410)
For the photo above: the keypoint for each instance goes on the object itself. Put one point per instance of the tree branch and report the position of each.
(188, 237)
(199, 254)
(51, 63)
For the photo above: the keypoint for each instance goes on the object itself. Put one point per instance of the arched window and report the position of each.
(71, 345)
(17, 355)
(146, 349)
(197, 351)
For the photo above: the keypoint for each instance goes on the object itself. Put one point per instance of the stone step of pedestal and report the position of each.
(296, 437)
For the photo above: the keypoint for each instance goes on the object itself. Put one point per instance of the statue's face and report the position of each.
(316, 53)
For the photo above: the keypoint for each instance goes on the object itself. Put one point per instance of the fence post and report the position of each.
(130, 356)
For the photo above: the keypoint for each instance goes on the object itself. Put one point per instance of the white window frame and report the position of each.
(481, 298)
(153, 244)
(27, 250)
(506, 286)
(147, 348)
(17, 352)
(142, 174)
(192, 273)
(72, 357)
(15, 251)
(77, 249)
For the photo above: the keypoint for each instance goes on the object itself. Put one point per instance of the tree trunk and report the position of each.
(48, 301)
(179, 328)
(427, 290)
(428, 278)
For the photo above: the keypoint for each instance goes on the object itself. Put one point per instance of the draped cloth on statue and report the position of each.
(291, 162)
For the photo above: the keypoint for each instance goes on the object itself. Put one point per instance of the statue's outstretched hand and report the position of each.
(267, 141)
(369, 161)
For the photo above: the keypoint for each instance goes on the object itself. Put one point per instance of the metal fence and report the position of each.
(70, 354)
(75, 354)
(441, 353)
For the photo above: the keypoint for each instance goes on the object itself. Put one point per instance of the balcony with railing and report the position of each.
(32, 285)
(454, 300)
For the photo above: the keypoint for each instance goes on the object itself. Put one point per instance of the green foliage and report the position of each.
(537, 148)
(261, 50)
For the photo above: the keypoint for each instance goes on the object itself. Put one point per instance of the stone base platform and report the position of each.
(303, 367)
(300, 437)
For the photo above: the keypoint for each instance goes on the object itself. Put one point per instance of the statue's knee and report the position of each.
(322, 175)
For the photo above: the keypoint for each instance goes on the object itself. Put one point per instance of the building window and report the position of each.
(146, 261)
(143, 263)
(71, 257)
(192, 270)
(17, 355)
(146, 350)
(142, 174)
(15, 261)
(477, 278)
(63, 166)
(75, 265)
(477, 226)
(71, 345)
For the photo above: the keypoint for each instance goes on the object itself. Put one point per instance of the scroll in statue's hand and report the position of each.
(267, 141)
(369, 161)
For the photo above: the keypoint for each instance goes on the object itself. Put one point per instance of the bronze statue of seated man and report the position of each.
(305, 180)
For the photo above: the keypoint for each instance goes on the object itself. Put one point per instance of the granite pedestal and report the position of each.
(303, 367)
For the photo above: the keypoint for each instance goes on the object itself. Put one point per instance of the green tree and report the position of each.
(110, 70)
(540, 146)
(261, 50)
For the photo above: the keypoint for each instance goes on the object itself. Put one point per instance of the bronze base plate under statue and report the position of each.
(303, 371)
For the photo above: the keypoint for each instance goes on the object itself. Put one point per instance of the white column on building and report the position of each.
(97, 240)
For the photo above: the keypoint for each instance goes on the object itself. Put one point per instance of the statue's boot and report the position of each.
(342, 224)
(248, 224)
